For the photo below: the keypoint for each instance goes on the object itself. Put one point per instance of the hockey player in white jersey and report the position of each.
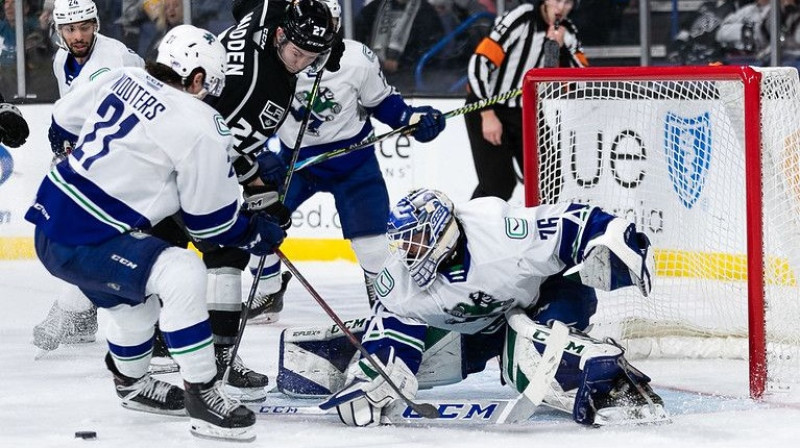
(340, 116)
(83, 55)
(148, 148)
(463, 269)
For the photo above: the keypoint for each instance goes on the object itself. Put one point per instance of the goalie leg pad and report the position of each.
(313, 361)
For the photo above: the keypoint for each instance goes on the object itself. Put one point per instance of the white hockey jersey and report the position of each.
(339, 111)
(510, 251)
(145, 151)
(107, 54)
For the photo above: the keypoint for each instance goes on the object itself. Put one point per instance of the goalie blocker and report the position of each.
(593, 382)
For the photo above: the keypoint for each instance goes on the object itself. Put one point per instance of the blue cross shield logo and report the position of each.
(6, 164)
(687, 143)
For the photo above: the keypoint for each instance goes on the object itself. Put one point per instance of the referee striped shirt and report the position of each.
(512, 48)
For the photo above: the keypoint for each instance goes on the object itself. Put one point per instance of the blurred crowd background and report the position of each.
(443, 35)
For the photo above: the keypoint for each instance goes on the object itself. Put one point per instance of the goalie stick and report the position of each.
(369, 141)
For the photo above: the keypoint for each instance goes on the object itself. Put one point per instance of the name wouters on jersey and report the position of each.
(138, 97)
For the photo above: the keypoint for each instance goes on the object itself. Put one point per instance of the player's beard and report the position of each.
(82, 51)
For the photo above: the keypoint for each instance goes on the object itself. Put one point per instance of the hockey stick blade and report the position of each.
(369, 141)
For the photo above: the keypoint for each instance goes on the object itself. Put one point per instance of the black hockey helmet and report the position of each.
(309, 25)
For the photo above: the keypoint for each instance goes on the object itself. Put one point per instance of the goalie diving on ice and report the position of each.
(480, 280)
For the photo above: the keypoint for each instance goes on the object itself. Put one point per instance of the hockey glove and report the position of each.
(619, 257)
(263, 235)
(265, 199)
(272, 170)
(431, 122)
(360, 403)
(61, 141)
(13, 127)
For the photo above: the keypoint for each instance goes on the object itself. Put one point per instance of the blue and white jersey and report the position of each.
(108, 54)
(509, 253)
(340, 114)
(145, 150)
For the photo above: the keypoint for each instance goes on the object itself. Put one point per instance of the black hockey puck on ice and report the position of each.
(85, 435)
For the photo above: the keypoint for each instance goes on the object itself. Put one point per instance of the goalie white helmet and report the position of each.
(422, 232)
(336, 12)
(186, 48)
(72, 11)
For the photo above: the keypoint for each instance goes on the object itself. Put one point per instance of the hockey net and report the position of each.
(707, 161)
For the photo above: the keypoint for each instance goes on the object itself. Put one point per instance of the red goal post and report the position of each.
(707, 161)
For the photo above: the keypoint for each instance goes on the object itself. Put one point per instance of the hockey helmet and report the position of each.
(422, 232)
(336, 13)
(309, 25)
(186, 48)
(72, 11)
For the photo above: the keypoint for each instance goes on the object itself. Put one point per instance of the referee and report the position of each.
(528, 36)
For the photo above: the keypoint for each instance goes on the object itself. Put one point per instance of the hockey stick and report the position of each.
(254, 286)
(457, 411)
(369, 141)
(424, 409)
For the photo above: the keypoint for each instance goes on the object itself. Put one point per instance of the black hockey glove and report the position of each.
(431, 122)
(337, 50)
(272, 170)
(262, 236)
(265, 199)
(748, 37)
(13, 127)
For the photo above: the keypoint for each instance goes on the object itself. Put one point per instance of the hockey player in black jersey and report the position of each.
(270, 44)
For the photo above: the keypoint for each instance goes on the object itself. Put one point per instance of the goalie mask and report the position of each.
(186, 48)
(422, 233)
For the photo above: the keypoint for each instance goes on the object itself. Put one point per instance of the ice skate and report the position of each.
(214, 415)
(243, 383)
(65, 327)
(162, 361)
(147, 394)
(266, 308)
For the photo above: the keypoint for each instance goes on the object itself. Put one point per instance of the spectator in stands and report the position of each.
(696, 42)
(8, 48)
(399, 32)
(168, 15)
(747, 30)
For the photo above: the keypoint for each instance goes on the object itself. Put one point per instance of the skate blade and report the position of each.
(79, 339)
(246, 394)
(135, 406)
(205, 430)
(159, 367)
(264, 319)
(633, 415)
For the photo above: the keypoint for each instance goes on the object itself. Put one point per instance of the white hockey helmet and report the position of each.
(422, 232)
(72, 11)
(336, 12)
(186, 48)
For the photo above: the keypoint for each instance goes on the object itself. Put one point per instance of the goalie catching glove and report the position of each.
(361, 402)
(618, 257)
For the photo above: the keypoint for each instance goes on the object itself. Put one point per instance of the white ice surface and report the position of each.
(44, 402)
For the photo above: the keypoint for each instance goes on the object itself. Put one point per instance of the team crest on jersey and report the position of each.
(222, 127)
(384, 283)
(687, 143)
(516, 228)
(271, 115)
(483, 305)
(324, 109)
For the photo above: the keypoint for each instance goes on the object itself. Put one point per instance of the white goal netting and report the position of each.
(668, 151)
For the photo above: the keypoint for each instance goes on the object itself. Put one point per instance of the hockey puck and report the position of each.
(85, 435)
